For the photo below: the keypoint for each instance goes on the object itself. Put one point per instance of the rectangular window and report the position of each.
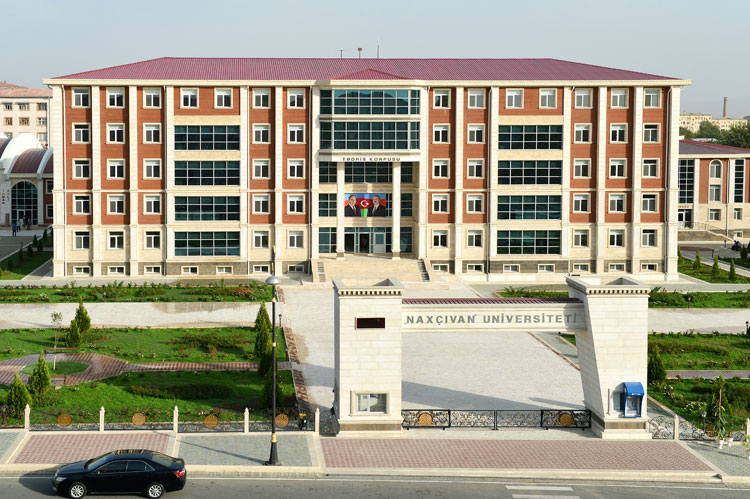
(116, 240)
(152, 134)
(474, 203)
(685, 179)
(528, 242)
(224, 269)
(545, 267)
(152, 204)
(153, 240)
(530, 137)
(261, 203)
(295, 203)
(189, 97)
(295, 269)
(207, 172)
(151, 168)
(618, 133)
(407, 205)
(512, 268)
(8, 106)
(116, 204)
(529, 172)
(476, 98)
(648, 204)
(41, 106)
(369, 172)
(189, 270)
(115, 133)
(651, 97)
(23, 121)
(260, 239)
(82, 270)
(296, 168)
(714, 193)
(474, 267)
(261, 269)
(223, 97)
(206, 208)
(474, 239)
(115, 168)
(714, 215)
(295, 134)
(650, 134)
(207, 243)
(580, 267)
(327, 205)
(440, 203)
(441, 134)
(295, 239)
(81, 97)
(42, 137)
(152, 98)
(583, 97)
(476, 134)
(371, 402)
(648, 238)
(439, 238)
(514, 99)
(616, 267)
(440, 267)
(582, 168)
(152, 269)
(581, 238)
(739, 180)
(81, 133)
(295, 98)
(580, 203)
(441, 99)
(261, 168)
(547, 98)
(49, 186)
(617, 237)
(207, 138)
(617, 168)
(650, 168)
(261, 98)
(327, 240)
(369, 102)
(714, 169)
(737, 214)
(381, 135)
(440, 168)
(619, 98)
(41, 121)
(261, 134)
(617, 203)
(82, 205)
(81, 168)
(529, 207)
(115, 97)
(82, 240)
(583, 133)
(475, 168)
(648, 267)
(9, 121)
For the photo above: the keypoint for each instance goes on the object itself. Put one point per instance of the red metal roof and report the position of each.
(48, 167)
(25, 92)
(697, 147)
(487, 301)
(28, 162)
(3, 144)
(199, 68)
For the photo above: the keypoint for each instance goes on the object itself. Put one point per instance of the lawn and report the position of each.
(29, 264)
(511, 292)
(61, 368)
(119, 292)
(227, 344)
(739, 262)
(193, 392)
(686, 267)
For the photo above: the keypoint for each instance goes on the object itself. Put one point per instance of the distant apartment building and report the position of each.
(24, 110)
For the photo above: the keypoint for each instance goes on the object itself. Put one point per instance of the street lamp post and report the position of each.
(273, 460)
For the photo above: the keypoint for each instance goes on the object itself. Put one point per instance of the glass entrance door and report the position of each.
(379, 244)
(364, 242)
(349, 239)
(685, 218)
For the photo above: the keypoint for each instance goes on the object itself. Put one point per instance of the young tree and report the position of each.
(743, 253)
(82, 319)
(263, 330)
(720, 408)
(715, 267)
(732, 271)
(30, 250)
(18, 397)
(40, 380)
(697, 261)
(679, 255)
(266, 358)
(57, 324)
(657, 372)
(266, 396)
(73, 339)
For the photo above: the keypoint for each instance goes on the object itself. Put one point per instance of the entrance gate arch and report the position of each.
(608, 317)
(23, 202)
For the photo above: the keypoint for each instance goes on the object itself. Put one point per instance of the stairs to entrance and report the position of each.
(362, 267)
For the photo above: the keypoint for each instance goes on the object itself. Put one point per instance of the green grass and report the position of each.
(29, 264)
(511, 292)
(195, 392)
(228, 344)
(252, 291)
(61, 368)
(570, 338)
(674, 299)
(739, 262)
(686, 267)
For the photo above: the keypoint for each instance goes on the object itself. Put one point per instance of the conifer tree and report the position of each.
(73, 339)
(82, 319)
(18, 397)
(715, 267)
(732, 271)
(697, 261)
(40, 380)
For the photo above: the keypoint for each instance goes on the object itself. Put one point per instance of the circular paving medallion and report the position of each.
(211, 421)
(282, 420)
(64, 420)
(425, 419)
(565, 419)
(139, 418)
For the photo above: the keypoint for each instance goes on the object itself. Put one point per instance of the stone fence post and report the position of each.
(317, 421)
(747, 428)
(27, 417)
(175, 419)
(101, 418)
(247, 420)
(676, 427)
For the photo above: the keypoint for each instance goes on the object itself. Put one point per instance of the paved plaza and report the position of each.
(67, 447)
(244, 450)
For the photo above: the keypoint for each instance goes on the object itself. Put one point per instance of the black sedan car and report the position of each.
(136, 471)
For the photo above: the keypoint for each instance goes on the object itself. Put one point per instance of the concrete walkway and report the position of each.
(707, 373)
(703, 320)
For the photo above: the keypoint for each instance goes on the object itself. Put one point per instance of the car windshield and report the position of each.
(97, 461)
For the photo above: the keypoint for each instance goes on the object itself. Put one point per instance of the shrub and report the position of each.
(720, 407)
(657, 373)
(18, 397)
(266, 396)
(263, 330)
(732, 271)
(73, 339)
(266, 357)
(30, 250)
(679, 255)
(82, 319)
(715, 267)
(697, 261)
(39, 245)
(34, 241)
(40, 380)
(211, 342)
(44, 236)
(743, 253)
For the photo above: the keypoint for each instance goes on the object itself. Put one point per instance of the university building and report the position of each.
(482, 167)
(24, 110)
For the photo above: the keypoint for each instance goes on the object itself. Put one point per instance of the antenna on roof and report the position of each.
(378, 51)
(341, 53)
(359, 52)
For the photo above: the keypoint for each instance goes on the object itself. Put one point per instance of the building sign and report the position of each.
(364, 205)
(371, 159)
(558, 319)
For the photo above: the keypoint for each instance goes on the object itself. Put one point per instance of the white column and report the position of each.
(636, 169)
(315, 174)
(133, 164)
(565, 197)
(340, 196)
(57, 135)
(491, 173)
(168, 243)
(696, 185)
(670, 239)
(279, 140)
(96, 184)
(244, 176)
(458, 192)
(601, 178)
(396, 211)
(420, 238)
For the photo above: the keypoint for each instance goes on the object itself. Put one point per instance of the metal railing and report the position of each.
(495, 419)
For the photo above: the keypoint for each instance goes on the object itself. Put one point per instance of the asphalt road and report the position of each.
(411, 488)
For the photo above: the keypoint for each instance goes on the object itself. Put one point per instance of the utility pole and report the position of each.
(341, 53)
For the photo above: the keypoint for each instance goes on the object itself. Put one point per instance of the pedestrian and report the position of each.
(20, 223)
(15, 228)
(28, 223)
(747, 328)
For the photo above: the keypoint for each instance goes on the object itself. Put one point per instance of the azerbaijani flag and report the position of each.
(364, 205)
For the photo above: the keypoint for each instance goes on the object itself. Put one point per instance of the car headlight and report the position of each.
(59, 479)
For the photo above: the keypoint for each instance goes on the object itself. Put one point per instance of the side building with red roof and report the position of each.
(499, 169)
(25, 181)
(24, 110)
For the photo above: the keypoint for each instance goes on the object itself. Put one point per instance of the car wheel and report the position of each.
(155, 490)
(76, 490)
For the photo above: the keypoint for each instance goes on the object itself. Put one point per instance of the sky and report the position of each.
(705, 42)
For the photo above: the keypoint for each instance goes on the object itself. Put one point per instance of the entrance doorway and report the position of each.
(685, 218)
(23, 198)
(364, 242)
(367, 240)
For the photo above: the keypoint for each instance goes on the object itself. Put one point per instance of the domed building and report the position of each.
(25, 180)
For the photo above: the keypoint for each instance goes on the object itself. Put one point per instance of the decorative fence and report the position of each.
(206, 421)
(495, 419)
(663, 428)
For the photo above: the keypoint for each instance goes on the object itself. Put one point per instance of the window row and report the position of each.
(207, 137)
(364, 135)
(616, 203)
(116, 133)
(206, 243)
(25, 106)
(353, 102)
(206, 208)
(364, 172)
(531, 137)
(25, 121)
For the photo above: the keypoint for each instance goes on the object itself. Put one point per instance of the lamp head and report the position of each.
(272, 280)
